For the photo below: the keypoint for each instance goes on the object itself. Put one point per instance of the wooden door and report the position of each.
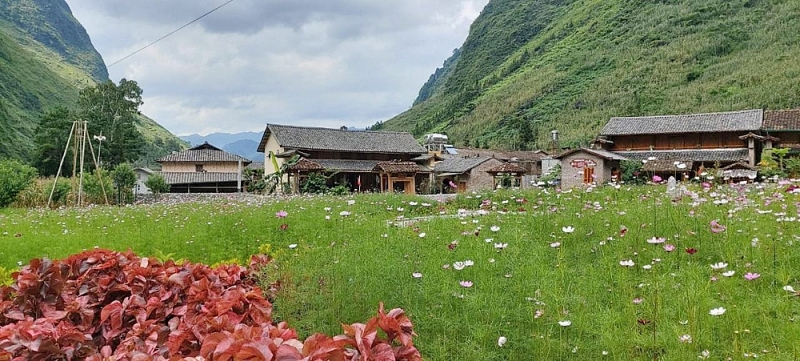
(588, 175)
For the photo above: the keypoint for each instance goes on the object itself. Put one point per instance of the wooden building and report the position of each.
(712, 139)
(365, 160)
(203, 169)
(783, 128)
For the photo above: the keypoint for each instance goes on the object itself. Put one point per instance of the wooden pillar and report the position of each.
(389, 185)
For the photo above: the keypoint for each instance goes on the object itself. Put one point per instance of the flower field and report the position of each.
(627, 273)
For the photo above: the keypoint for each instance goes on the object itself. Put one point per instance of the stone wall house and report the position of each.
(783, 128)
(584, 167)
(468, 174)
(141, 177)
(203, 169)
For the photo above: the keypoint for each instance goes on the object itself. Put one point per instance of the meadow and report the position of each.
(613, 273)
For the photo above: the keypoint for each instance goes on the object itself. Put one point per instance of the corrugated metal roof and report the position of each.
(740, 121)
(310, 138)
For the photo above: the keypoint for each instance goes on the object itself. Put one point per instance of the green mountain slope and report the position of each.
(46, 57)
(528, 67)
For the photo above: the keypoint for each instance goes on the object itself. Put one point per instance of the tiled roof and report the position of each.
(499, 154)
(507, 168)
(198, 177)
(597, 152)
(697, 155)
(398, 167)
(309, 138)
(347, 165)
(204, 153)
(306, 165)
(663, 165)
(459, 165)
(782, 119)
(255, 165)
(741, 121)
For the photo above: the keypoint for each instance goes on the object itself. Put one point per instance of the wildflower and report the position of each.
(669, 247)
(751, 276)
(691, 250)
(716, 311)
(281, 214)
(728, 273)
(647, 266)
(704, 355)
(293, 246)
(637, 301)
(788, 288)
(465, 284)
(657, 179)
(458, 266)
(716, 227)
(719, 265)
(416, 275)
(351, 202)
(422, 235)
(469, 263)
(284, 227)
(568, 229)
(327, 209)
(501, 341)
(344, 213)
(685, 338)
(539, 313)
(565, 323)
(555, 244)
(656, 240)
(500, 245)
(622, 230)
(627, 263)
(494, 228)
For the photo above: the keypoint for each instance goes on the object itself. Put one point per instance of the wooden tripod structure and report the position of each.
(77, 140)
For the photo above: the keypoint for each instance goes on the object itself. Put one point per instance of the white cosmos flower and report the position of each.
(344, 213)
(327, 209)
(565, 323)
(458, 265)
(351, 202)
(627, 263)
(422, 235)
(719, 265)
(788, 288)
(500, 245)
(501, 341)
(494, 228)
(729, 273)
(293, 246)
(412, 203)
(716, 311)
(555, 244)
(416, 275)
(568, 229)
(469, 263)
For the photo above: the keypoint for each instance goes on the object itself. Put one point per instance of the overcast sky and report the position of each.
(301, 62)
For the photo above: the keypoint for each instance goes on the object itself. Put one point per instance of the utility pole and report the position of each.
(78, 136)
(99, 138)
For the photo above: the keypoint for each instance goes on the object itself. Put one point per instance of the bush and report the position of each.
(95, 191)
(14, 177)
(103, 305)
(632, 171)
(315, 183)
(124, 179)
(157, 184)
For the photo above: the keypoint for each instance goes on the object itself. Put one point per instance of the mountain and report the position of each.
(46, 57)
(530, 66)
(244, 144)
(246, 148)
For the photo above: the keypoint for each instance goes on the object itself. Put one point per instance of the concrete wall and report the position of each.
(141, 177)
(275, 147)
(189, 167)
(573, 176)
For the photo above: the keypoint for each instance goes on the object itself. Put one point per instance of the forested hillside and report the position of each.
(46, 58)
(528, 67)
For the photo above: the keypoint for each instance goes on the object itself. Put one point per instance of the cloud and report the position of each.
(315, 62)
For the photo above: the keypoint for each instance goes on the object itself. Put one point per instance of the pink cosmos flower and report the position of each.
(657, 179)
(637, 301)
(465, 284)
(281, 214)
(751, 276)
(716, 227)
(669, 247)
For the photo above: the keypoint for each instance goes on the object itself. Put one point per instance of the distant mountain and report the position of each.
(246, 148)
(221, 139)
(532, 66)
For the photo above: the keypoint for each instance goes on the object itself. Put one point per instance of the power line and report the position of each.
(170, 33)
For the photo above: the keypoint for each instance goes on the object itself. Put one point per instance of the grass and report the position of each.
(342, 267)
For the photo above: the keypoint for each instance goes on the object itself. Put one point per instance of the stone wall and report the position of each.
(479, 179)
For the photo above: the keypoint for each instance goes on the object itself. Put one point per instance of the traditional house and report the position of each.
(507, 175)
(588, 166)
(364, 160)
(466, 174)
(203, 169)
(713, 139)
(141, 177)
(782, 127)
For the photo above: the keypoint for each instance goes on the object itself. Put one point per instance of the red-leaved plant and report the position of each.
(105, 305)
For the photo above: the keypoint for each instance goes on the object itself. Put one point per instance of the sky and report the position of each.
(298, 62)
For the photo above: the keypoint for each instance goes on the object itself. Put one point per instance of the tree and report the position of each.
(124, 179)
(14, 177)
(111, 109)
(50, 140)
(157, 184)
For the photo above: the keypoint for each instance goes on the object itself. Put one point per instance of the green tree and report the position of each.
(157, 184)
(111, 110)
(124, 179)
(50, 140)
(14, 177)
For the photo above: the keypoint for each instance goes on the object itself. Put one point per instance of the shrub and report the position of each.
(14, 177)
(315, 183)
(157, 184)
(124, 179)
(100, 305)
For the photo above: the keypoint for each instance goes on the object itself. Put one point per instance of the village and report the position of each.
(727, 145)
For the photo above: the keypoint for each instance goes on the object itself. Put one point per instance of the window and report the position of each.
(199, 168)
